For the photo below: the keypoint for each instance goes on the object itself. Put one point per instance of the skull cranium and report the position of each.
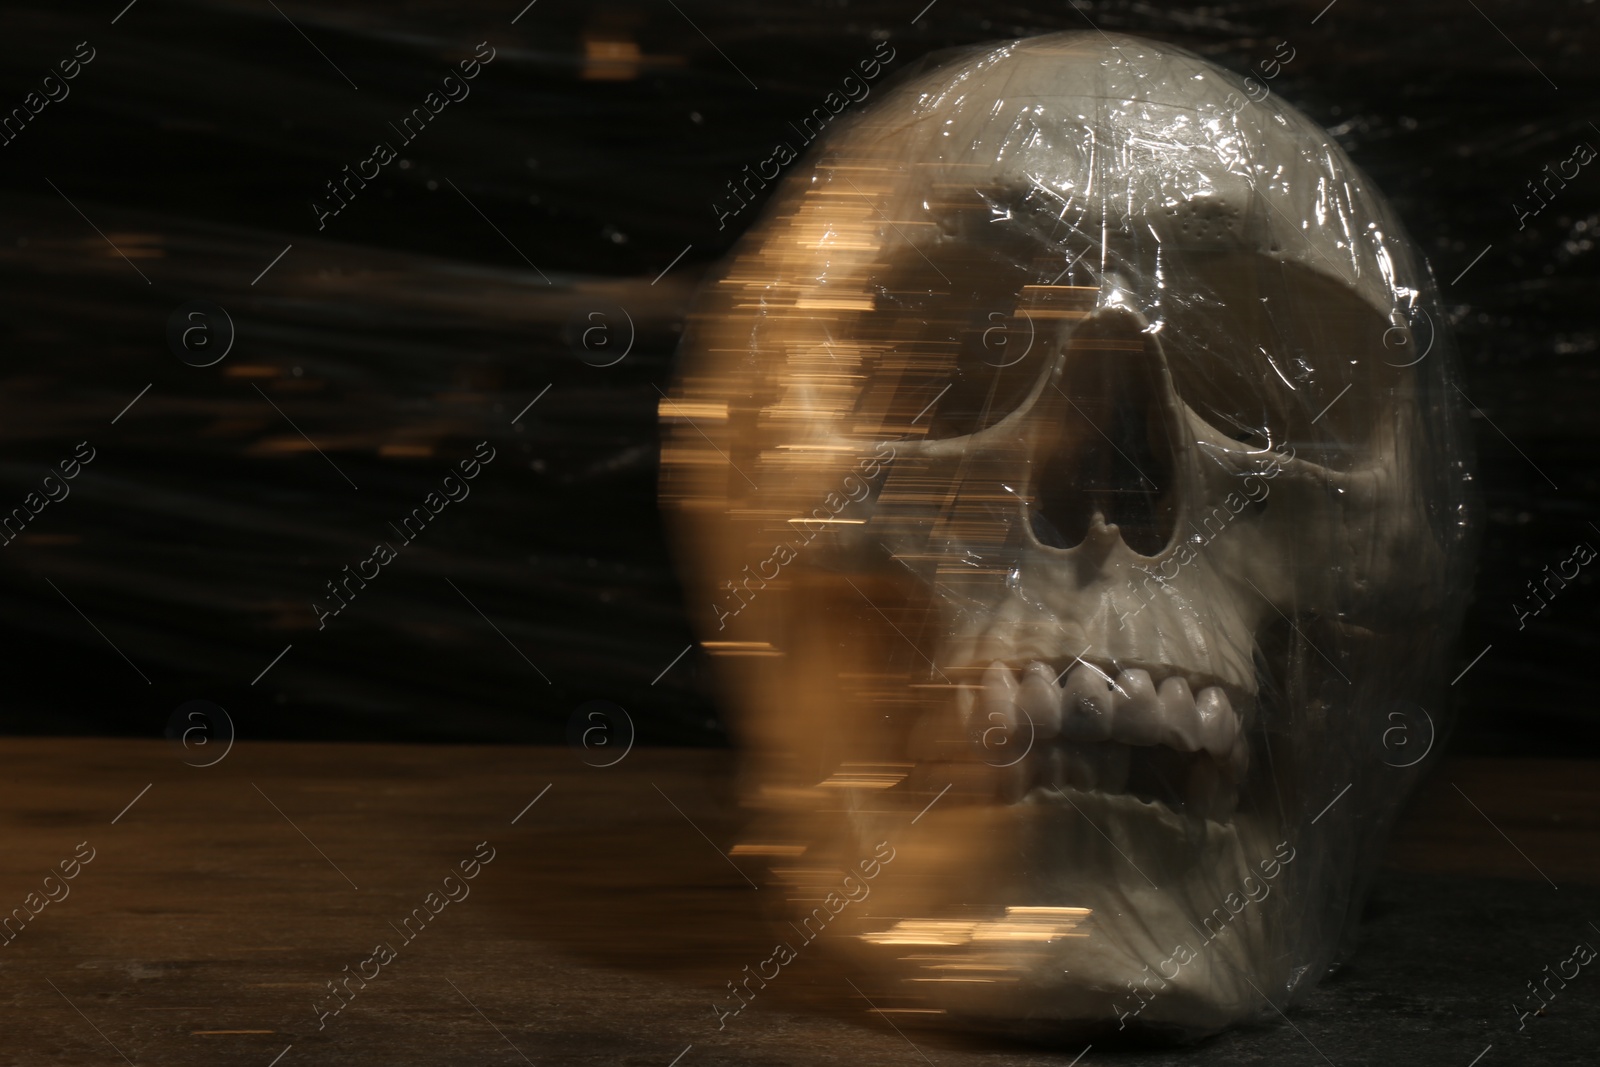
(1072, 512)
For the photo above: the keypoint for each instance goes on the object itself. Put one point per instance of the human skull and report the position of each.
(1073, 508)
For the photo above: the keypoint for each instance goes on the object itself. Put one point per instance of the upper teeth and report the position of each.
(1107, 729)
(1091, 704)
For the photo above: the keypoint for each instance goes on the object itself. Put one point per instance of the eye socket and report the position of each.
(1269, 353)
(961, 330)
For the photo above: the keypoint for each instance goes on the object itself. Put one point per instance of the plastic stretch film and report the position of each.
(1068, 478)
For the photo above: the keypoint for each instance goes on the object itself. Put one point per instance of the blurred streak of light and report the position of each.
(1019, 924)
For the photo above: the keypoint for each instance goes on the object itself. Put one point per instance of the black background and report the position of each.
(439, 303)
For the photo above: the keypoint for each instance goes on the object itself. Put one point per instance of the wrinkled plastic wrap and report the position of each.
(1068, 479)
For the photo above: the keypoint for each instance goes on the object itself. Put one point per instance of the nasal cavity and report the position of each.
(1107, 448)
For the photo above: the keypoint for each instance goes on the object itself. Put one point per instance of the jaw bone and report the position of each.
(1061, 521)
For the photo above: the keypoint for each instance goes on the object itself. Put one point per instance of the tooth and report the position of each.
(1218, 724)
(1239, 759)
(1111, 766)
(1085, 705)
(1182, 721)
(1136, 715)
(1039, 699)
(998, 731)
(1204, 790)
